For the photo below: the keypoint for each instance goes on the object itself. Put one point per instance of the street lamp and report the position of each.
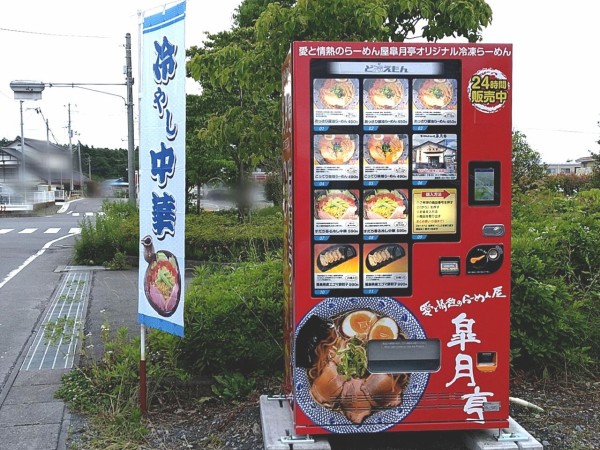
(25, 90)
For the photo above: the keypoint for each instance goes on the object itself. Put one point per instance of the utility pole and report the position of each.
(70, 149)
(90, 167)
(80, 173)
(48, 152)
(23, 178)
(130, 145)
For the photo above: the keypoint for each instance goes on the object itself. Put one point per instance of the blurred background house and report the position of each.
(40, 168)
(580, 166)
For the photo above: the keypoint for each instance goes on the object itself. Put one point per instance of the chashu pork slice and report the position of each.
(354, 403)
(382, 390)
(327, 387)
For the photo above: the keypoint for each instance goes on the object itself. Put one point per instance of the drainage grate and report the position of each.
(57, 340)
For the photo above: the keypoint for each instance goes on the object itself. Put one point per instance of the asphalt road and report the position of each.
(31, 250)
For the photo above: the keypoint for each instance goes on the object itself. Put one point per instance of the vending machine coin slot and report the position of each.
(493, 230)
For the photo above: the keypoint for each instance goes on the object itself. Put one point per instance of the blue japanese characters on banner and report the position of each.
(162, 171)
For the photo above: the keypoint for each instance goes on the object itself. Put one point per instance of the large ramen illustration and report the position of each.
(333, 384)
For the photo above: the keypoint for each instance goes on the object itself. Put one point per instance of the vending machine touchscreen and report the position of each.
(397, 184)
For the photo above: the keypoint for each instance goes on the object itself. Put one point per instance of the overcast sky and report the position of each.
(556, 98)
(75, 41)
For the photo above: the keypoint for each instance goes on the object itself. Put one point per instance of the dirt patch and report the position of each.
(570, 420)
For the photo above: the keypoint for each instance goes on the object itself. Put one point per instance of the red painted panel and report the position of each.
(397, 173)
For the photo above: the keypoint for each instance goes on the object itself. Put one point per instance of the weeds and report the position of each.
(60, 331)
(119, 262)
(233, 386)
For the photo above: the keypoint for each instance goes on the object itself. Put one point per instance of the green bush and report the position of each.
(219, 237)
(555, 281)
(210, 236)
(114, 232)
(233, 321)
(568, 183)
(274, 188)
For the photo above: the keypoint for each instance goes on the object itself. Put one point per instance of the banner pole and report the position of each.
(143, 389)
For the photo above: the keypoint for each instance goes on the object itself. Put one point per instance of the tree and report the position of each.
(204, 161)
(527, 167)
(595, 176)
(246, 61)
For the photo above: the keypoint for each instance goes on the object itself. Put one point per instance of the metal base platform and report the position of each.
(515, 437)
(277, 430)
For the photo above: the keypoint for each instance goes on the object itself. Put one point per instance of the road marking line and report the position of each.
(29, 260)
(75, 214)
(6, 230)
(27, 230)
(75, 231)
(52, 230)
(89, 213)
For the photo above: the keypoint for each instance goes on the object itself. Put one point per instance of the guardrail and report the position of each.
(14, 202)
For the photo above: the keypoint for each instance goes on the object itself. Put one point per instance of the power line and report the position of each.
(555, 130)
(12, 30)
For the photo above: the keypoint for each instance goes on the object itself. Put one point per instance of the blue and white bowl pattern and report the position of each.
(335, 421)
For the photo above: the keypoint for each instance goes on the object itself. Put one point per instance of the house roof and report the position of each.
(42, 147)
(36, 157)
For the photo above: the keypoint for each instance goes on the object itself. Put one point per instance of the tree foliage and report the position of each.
(595, 176)
(243, 65)
(527, 167)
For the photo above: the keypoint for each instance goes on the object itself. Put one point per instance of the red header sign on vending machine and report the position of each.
(397, 180)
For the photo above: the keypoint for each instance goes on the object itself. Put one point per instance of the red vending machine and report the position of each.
(397, 208)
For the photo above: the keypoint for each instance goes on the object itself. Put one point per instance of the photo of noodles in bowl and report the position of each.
(384, 93)
(434, 93)
(335, 204)
(335, 148)
(385, 204)
(334, 385)
(335, 93)
(384, 148)
(162, 279)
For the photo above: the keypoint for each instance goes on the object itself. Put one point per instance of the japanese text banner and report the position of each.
(162, 171)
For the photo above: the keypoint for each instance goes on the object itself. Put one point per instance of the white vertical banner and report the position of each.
(162, 171)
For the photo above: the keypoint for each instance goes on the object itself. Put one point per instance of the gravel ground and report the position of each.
(570, 421)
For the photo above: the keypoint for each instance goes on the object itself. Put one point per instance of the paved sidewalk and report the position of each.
(30, 417)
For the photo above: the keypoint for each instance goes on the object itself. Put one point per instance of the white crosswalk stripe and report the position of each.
(53, 230)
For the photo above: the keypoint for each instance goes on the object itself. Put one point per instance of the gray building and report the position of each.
(580, 166)
(45, 164)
